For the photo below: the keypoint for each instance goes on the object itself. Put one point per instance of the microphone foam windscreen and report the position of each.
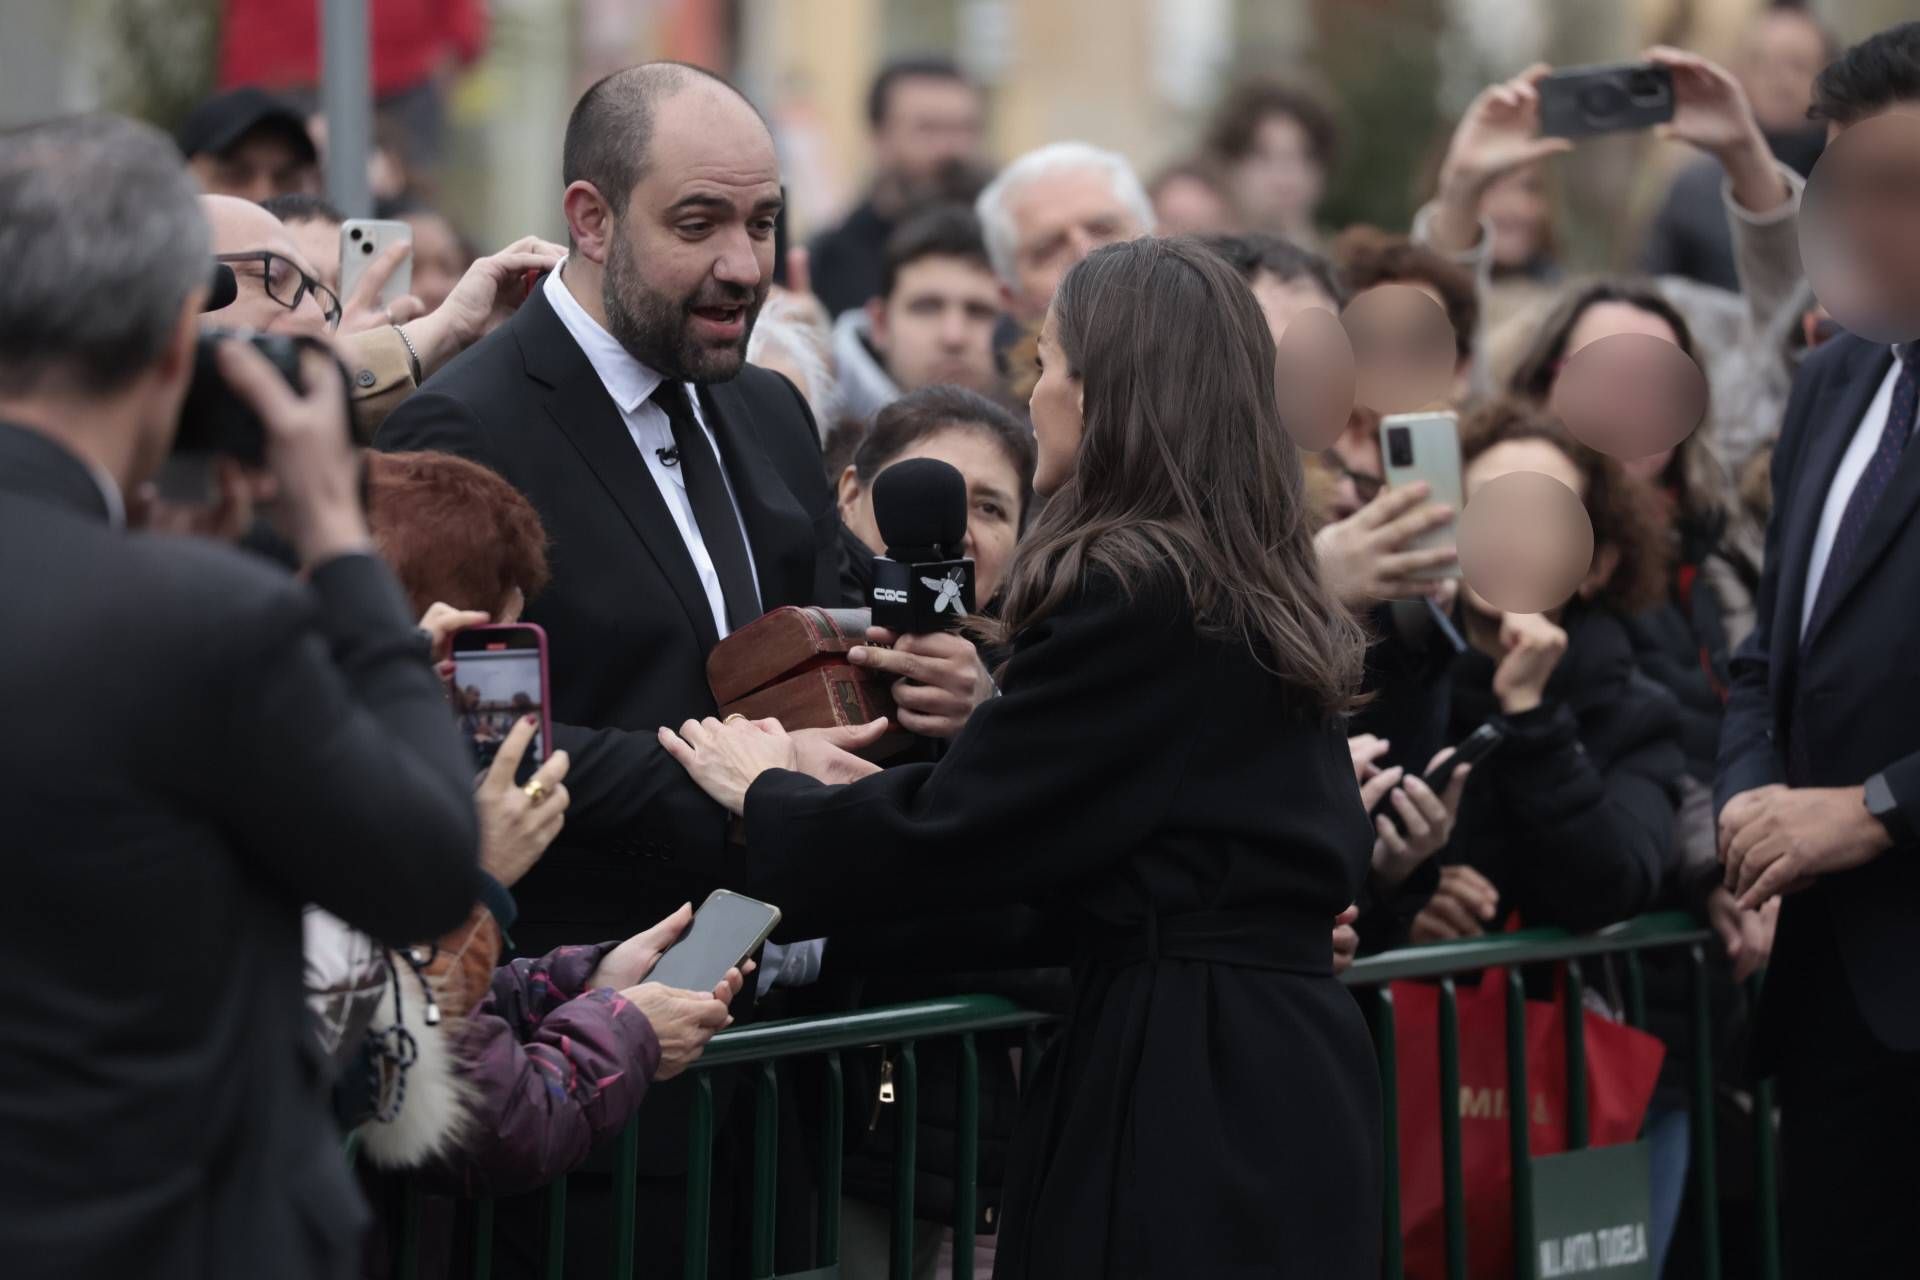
(222, 288)
(920, 504)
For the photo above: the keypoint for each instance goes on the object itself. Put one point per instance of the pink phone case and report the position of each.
(546, 685)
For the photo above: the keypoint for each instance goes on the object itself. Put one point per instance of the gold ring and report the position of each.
(536, 791)
(735, 716)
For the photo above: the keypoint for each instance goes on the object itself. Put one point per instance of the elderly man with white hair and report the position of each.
(1051, 208)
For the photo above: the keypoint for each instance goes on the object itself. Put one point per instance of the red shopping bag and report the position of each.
(1622, 1064)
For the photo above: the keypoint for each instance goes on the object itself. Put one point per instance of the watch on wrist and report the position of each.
(1884, 808)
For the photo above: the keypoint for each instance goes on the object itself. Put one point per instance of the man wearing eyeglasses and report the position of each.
(277, 290)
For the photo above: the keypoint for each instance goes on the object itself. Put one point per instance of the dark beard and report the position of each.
(654, 328)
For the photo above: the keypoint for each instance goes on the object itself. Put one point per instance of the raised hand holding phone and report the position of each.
(518, 823)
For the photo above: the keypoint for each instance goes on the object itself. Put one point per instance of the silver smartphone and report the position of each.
(364, 239)
(726, 929)
(1426, 446)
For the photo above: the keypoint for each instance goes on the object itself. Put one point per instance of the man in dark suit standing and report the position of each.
(1819, 787)
(198, 743)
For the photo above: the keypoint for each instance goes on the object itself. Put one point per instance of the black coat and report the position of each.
(1838, 709)
(1212, 1111)
(1572, 819)
(198, 744)
(628, 626)
(846, 262)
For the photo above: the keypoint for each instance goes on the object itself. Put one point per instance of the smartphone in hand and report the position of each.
(726, 929)
(1475, 747)
(499, 676)
(1579, 102)
(362, 240)
(1426, 446)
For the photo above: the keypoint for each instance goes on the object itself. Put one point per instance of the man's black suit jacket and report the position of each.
(1841, 707)
(628, 626)
(196, 744)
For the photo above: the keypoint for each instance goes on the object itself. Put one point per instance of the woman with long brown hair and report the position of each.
(1166, 771)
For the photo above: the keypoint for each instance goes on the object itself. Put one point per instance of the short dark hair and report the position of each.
(1248, 104)
(1254, 252)
(944, 231)
(922, 67)
(1869, 77)
(931, 410)
(1533, 377)
(612, 125)
(1369, 256)
(298, 206)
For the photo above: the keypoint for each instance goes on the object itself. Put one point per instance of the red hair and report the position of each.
(454, 531)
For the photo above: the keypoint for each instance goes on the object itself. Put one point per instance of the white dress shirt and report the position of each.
(631, 384)
(1853, 464)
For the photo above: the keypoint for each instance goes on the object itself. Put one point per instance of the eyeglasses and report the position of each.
(1365, 487)
(286, 283)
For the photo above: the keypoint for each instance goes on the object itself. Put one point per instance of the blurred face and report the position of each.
(993, 500)
(1281, 300)
(1516, 204)
(242, 227)
(1056, 408)
(1777, 65)
(1060, 218)
(1860, 232)
(1278, 183)
(263, 164)
(319, 243)
(931, 122)
(1523, 559)
(688, 265)
(1646, 397)
(937, 325)
(1187, 206)
(439, 259)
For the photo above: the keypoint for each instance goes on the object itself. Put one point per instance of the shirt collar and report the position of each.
(629, 382)
(109, 493)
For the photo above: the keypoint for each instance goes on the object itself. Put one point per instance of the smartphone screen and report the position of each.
(499, 677)
(725, 931)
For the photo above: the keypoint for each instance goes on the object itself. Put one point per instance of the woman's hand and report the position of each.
(1346, 940)
(440, 621)
(683, 1021)
(827, 755)
(1711, 112)
(1459, 908)
(1366, 556)
(515, 829)
(1366, 750)
(1499, 133)
(1426, 818)
(724, 759)
(942, 678)
(630, 962)
(1533, 647)
(1747, 935)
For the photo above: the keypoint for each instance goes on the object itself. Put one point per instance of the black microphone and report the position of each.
(669, 455)
(923, 583)
(222, 288)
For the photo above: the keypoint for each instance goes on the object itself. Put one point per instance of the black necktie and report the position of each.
(713, 508)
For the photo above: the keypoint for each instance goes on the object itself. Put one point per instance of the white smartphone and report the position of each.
(726, 929)
(364, 239)
(1426, 446)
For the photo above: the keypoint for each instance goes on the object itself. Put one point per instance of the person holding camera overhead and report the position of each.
(1177, 667)
(200, 743)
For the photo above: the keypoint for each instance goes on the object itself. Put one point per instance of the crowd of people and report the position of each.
(1170, 781)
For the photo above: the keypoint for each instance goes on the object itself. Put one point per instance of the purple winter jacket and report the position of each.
(555, 1072)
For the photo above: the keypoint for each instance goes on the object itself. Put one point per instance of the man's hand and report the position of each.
(1711, 112)
(1499, 133)
(942, 678)
(361, 310)
(1346, 940)
(1426, 818)
(826, 755)
(1534, 648)
(1460, 908)
(1361, 557)
(1746, 935)
(1776, 839)
(309, 449)
(491, 290)
(515, 831)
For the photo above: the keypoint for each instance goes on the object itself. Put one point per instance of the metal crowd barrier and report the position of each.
(764, 1047)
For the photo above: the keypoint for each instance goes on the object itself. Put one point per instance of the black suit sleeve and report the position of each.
(1045, 784)
(342, 773)
(627, 795)
(431, 421)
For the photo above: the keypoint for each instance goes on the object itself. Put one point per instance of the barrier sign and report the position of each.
(1590, 1211)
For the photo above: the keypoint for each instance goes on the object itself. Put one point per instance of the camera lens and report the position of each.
(1602, 101)
(354, 234)
(1400, 446)
(367, 247)
(1644, 86)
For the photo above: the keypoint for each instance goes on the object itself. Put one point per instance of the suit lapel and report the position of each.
(580, 407)
(1890, 514)
(777, 526)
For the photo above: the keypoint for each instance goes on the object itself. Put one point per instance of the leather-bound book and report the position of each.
(791, 665)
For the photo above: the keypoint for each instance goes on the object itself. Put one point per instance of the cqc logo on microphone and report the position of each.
(949, 588)
(890, 595)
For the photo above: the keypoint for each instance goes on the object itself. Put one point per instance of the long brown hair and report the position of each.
(1183, 465)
